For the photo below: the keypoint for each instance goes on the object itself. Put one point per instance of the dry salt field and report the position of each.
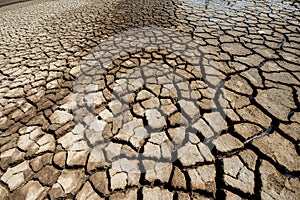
(149, 99)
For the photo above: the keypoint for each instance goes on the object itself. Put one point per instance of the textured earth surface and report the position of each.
(150, 99)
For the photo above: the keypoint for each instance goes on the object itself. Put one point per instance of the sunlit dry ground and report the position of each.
(160, 99)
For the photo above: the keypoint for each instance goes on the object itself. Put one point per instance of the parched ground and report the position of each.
(150, 99)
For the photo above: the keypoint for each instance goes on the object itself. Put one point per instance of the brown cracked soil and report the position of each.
(149, 99)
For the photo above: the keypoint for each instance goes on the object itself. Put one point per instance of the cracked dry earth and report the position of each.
(160, 99)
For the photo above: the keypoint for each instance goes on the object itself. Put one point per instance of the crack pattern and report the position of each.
(202, 102)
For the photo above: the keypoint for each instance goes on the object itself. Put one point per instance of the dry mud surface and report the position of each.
(160, 99)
